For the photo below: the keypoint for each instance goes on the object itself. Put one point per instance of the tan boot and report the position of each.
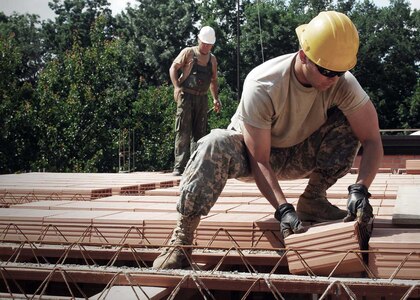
(175, 258)
(313, 205)
(311, 208)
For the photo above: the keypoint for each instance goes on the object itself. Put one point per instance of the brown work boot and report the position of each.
(311, 208)
(176, 257)
(313, 205)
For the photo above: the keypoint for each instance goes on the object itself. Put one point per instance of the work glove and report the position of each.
(289, 221)
(358, 206)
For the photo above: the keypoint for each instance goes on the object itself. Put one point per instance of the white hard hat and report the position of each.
(207, 35)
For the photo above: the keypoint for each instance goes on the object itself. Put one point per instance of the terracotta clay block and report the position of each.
(269, 235)
(395, 252)
(412, 166)
(323, 246)
(226, 230)
(407, 205)
(28, 187)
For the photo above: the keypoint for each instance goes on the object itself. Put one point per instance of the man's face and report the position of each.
(204, 48)
(316, 79)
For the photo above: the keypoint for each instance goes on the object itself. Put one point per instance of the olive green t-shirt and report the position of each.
(273, 98)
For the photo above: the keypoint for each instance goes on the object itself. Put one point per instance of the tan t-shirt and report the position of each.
(273, 98)
(186, 60)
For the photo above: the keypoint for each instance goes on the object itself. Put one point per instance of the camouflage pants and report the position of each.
(190, 126)
(330, 152)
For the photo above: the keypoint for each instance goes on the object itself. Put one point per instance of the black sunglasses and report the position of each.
(328, 73)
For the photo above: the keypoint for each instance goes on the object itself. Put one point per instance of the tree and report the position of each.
(20, 60)
(70, 86)
(229, 105)
(388, 58)
(17, 133)
(159, 29)
(275, 36)
(73, 23)
(85, 100)
(153, 112)
(410, 109)
(26, 35)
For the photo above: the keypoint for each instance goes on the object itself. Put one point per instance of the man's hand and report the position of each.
(358, 205)
(177, 93)
(217, 105)
(289, 221)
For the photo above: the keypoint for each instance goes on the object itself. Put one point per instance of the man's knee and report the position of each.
(339, 144)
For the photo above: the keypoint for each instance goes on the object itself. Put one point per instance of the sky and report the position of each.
(41, 8)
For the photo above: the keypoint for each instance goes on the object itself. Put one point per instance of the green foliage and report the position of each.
(388, 59)
(154, 112)
(72, 86)
(73, 23)
(277, 34)
(229, 105)
(85, 100)
(17, 104)
(159, 29)
(410, 109)
(26, 35)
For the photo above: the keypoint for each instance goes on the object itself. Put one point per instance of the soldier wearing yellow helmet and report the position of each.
(301, 115)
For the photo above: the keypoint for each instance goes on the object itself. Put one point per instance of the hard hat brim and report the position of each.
(207, 41)
(299, 31)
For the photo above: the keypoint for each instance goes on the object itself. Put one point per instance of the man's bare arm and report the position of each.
(258, 144)
(214, 88)
(364, 123)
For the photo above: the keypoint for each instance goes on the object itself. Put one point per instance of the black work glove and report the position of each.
(358, 205)
(289, 221)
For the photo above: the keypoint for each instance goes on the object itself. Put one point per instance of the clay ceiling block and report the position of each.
(77, 217)
(119, 198)
(388, 202)
(262, 200)
(252, 208)
(382, 222)
(26, 215)
(228, 229)
(323, 246)
(407, 206)
(412, 166)
(237, 200)
(269, 235)
(220, 220)
(385, 211)
(44, 204)
(395, 252)
(172, 191)
(133, 292)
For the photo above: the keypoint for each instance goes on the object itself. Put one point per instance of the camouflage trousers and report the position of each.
(190, 126)
(329, 151)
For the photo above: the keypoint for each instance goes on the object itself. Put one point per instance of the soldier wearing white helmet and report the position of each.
(301, 115)
(198, 73)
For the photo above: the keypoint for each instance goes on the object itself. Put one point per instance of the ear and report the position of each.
(302, 57)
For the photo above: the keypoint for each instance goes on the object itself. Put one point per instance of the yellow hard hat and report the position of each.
(330, 40)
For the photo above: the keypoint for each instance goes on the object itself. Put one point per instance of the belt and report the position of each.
(193, 92)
